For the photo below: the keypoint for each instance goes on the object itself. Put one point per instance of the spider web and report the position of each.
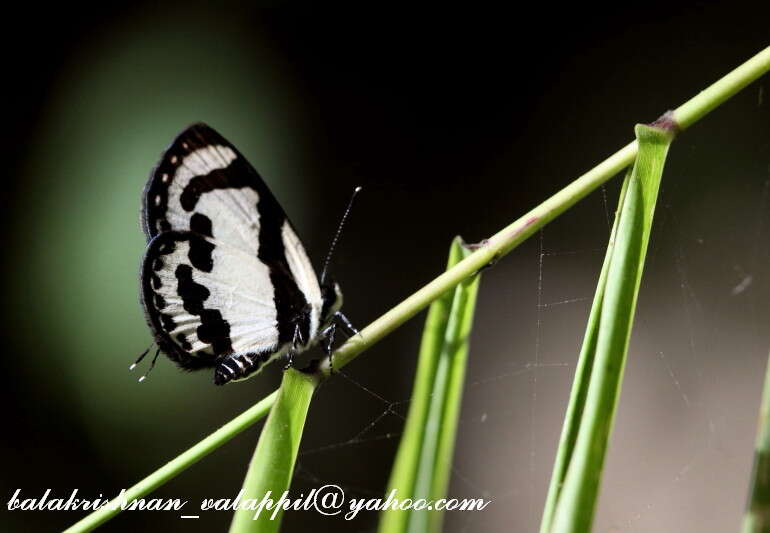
(681, 449)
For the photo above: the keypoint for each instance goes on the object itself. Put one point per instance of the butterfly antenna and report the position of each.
(139, 360)
(152, 365)
(338, 233)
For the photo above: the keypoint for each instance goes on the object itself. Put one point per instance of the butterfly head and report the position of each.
(332, 299)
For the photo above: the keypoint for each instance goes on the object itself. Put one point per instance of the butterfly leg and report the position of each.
(327, 338)
(297, 341)
(327, 343)
(347, 327)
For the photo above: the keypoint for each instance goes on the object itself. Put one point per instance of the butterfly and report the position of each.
(225, 281)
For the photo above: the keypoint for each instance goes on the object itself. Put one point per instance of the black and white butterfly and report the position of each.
(226, 283)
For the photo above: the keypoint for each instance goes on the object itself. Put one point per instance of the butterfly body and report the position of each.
(226, 282)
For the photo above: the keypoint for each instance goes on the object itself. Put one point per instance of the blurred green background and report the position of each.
(455, 122)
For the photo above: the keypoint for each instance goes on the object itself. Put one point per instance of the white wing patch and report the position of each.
(233, 209)
(197, 163)
(304, 274)
(238, 287)
(234, 216)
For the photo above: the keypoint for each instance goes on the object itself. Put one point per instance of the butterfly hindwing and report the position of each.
(224, 274)
(207, 299)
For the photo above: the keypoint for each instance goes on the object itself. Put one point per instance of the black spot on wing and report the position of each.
(160, 302)
(167, 321)
(213, 329)
(162, 323)
(155, 194)
(183, 342)
(200, 254)
(193, 294)
(238, 174)
(201, 224)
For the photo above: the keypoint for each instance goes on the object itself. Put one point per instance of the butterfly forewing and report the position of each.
(202, 178)
(225, 272)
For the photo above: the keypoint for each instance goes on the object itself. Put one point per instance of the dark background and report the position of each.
(455, 122)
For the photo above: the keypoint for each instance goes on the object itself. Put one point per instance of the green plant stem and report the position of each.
(423, 463)
(497, 246)
(606, 344)
(272, 465)
(183, 461)
(520, 230)
(722, 90)
(579, 391)
(757, 517)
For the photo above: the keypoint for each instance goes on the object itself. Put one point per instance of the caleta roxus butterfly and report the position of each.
(225, 282)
